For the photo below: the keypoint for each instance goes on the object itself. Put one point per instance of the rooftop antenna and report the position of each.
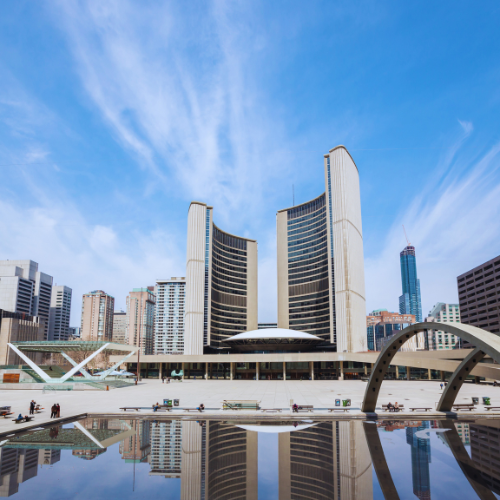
(293, 195)
(407, 240)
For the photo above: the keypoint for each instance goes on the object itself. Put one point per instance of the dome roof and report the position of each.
(273, 333)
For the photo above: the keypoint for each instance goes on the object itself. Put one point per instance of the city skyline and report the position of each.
(259, 102)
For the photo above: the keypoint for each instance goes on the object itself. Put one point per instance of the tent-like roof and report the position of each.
(273, 334)
(71, 346)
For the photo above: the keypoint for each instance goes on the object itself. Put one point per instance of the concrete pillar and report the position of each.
(257, 372)
(408, 373)
(211, 366)
(341, 369)
(429, 376)
(366, 369)
(231, 371)
(311, 370)
(442, 376)
(206, 371)
(284, 370)
(477, 380)
(160, 371)
(397, 372)
(182, 371)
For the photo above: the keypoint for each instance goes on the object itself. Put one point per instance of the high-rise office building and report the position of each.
(120, 327)
(60, 312)
(485, 452)
(18, 327)
(410, 302)
(25, 289)
(479, 296)
(166, 448)
(420, 460)
(325, 460)
(443, 313)
(170, 309)
(221, 282)
(321, 284)
(97, 316)
(141, 303)
(381, 325)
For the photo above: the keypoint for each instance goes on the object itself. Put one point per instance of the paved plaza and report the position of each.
(270, 393)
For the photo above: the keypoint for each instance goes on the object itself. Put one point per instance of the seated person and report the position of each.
(20, 417)
(396, 406)
(201, 407)
(390, 406)
(156, 406)
(295, 408)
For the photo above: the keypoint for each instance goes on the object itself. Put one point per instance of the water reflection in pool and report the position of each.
(226, 460)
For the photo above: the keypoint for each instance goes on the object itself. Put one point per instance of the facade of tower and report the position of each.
(321, 284)
(410, 302)
(221, 282)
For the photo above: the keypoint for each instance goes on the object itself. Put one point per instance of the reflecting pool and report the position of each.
(97, 458)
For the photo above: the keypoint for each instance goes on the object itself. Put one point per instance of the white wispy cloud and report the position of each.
(86, 256)
(454, 225)
(176, 88)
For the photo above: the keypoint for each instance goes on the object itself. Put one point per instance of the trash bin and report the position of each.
(337, 402)
(475, 401)
(346, 402)
(486, 401)
(176, 402)
(167, 402)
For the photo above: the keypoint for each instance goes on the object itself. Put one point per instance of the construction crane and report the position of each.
(407, 240)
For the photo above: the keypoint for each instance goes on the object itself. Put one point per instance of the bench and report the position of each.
(240, 405)
(401, 407)
(423, 409)
(308, 408)
(492, 407)
(21, 420)
(339, 409)
(192, 409)
(272, 410)
(464, 407)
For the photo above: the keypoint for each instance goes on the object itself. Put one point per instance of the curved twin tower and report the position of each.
(321, 286)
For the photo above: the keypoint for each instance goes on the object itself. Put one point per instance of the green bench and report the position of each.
(240, 405)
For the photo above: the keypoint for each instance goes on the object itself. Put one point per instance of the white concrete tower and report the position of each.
(197, 277)
(345, 242)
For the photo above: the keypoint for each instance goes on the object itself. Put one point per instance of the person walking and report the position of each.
(441, 385)
(58, 410)
(32, 407)
(53, 411)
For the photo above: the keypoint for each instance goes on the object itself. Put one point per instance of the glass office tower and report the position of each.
(410, 302)
(321, 283)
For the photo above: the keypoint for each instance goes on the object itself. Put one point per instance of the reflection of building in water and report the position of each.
(87, 454)
(420, 460)
(231, 466)
(485, 452)
(137, 447)
(166, 438)
(48, 457)
(326, 461)
(463, 431)
(16, 466)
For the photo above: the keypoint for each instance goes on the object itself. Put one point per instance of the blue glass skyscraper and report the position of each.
(420, 460)
(410, 302)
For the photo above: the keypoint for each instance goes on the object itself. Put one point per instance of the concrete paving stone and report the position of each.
(271, 394)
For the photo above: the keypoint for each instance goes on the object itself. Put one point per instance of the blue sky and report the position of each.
(114, 115)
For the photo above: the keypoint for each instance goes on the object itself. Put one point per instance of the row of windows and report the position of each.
(229, 240)
(307, 242)
(318, 221)
(307, 260)
(307, 231)
(309, 279)
(316, 307)
(319, 246)
(229, 280)
(239, 264)
(313, 298)
(225, 282)
(226, 268)
(221, 271)
(322, 265)
(310, 321)
(306, 210)
(223, 289)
